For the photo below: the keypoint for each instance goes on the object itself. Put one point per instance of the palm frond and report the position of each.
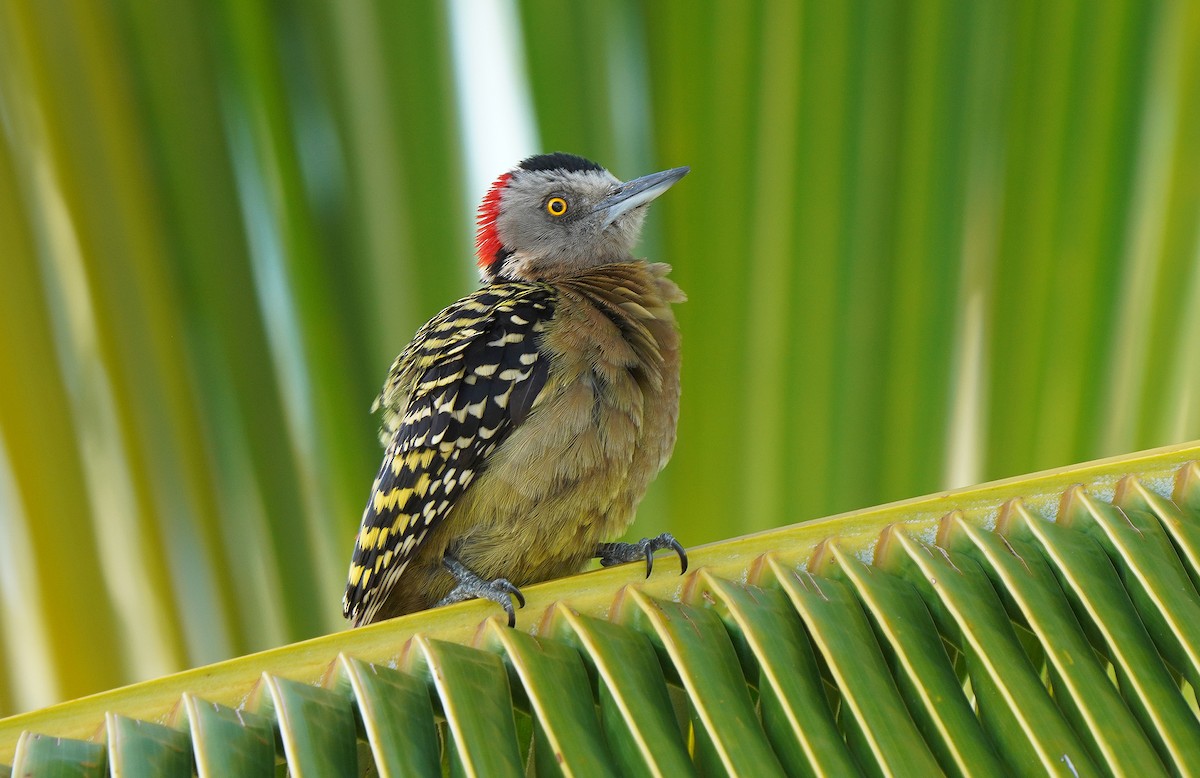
(1038, 624)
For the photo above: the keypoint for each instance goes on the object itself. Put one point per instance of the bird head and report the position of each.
(554, 214)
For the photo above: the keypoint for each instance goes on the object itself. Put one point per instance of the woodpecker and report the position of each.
(523, 424)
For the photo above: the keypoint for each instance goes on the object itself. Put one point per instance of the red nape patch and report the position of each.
(487, 239)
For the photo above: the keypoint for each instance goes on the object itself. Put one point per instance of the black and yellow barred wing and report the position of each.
(470, 376)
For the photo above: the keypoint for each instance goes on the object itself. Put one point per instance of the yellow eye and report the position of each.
(556, 206)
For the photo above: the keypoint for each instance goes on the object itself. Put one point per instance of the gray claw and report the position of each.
(618, 553)
(471, 586)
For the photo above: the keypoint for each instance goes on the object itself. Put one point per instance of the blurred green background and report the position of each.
(926, 243)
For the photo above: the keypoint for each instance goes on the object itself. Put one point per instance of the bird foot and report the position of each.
(617, 553)
(471, 586)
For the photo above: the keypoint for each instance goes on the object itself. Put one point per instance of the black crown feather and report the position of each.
(559, 160)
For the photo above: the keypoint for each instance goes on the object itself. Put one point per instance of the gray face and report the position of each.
(556, 222)
(548, 220)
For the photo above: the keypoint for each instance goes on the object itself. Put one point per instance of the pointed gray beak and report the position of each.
(637, 192)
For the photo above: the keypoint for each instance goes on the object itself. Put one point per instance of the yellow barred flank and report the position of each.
(448, 402)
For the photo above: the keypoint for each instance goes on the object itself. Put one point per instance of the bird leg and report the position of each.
(471, 586)
(616, 553)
